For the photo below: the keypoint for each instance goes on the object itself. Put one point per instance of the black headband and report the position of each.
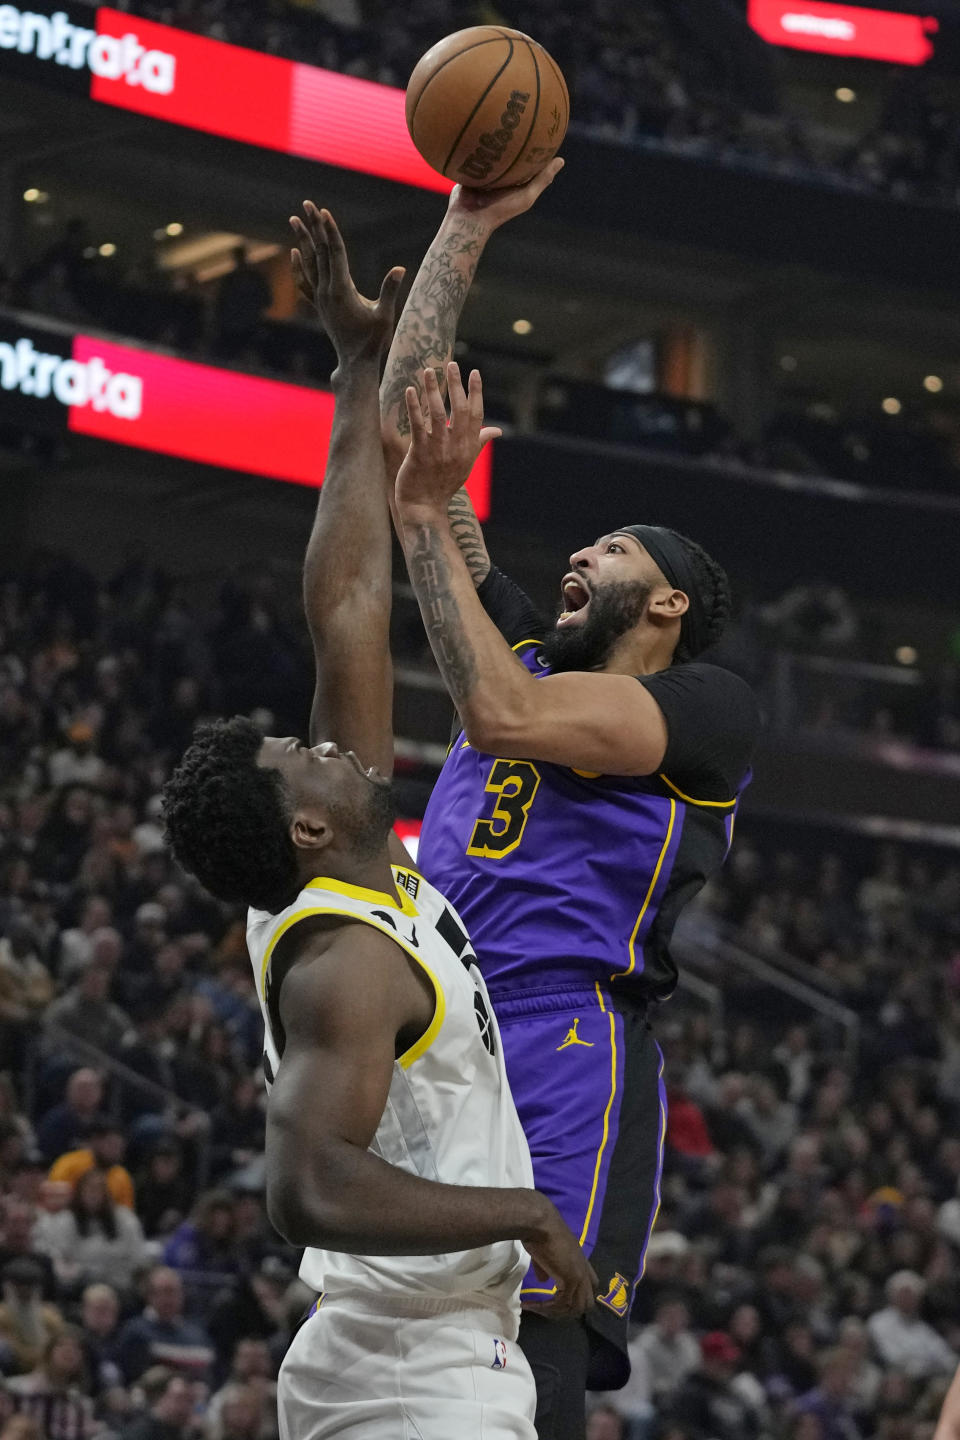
(672, 557)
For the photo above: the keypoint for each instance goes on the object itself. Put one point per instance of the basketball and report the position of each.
(487, 107)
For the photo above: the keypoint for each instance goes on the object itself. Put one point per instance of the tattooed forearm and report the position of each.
(430, 577)
(428, 325)
(469, 536)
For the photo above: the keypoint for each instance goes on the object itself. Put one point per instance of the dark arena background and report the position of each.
(735, 313)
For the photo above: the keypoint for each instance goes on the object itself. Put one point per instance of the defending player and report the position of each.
(394, 1154)
(592, 792)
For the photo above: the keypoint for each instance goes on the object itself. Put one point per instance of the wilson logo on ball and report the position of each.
(487, 106)
(491, 146)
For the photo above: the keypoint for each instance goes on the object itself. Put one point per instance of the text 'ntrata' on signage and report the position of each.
(55, 380)
(57, 39)
(203, 84)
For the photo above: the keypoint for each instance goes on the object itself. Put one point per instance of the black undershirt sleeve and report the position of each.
(510, 608)
(712, 727)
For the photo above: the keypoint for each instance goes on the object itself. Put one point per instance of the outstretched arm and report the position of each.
(588, 721)
(428, 328)
(347, 569)
(342, 1008)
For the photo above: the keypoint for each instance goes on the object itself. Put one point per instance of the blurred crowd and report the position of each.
(803, 1279)
(688, 76)
(803, 1282)
(142, 1290)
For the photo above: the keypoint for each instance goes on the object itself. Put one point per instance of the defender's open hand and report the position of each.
(359, 328)
(442, 454)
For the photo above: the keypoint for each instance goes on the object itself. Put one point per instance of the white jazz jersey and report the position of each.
(449, 1114)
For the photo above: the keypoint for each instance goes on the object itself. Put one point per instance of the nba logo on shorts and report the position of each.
(499, 1355)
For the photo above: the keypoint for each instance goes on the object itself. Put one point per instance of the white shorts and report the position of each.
(449, 1374)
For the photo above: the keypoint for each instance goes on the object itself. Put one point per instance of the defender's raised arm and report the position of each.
(347, 569)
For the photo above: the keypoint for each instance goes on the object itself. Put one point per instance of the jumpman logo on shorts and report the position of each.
(572, 1038)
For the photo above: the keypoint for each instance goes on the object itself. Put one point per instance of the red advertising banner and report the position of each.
(203, 84)
(409, 833)
(197, 412)
(845, 30)
(244, 95)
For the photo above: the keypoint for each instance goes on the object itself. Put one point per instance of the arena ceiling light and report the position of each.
(844, 30)
(933, 383)
(891, 405)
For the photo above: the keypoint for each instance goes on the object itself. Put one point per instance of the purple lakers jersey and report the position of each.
(566, 879)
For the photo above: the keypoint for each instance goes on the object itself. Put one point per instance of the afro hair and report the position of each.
(228, 819)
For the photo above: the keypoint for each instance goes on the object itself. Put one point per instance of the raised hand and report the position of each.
(441, 455)
(358, 328)
(496, 207)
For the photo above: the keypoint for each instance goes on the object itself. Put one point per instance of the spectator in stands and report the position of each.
(92, 1239)
(667, 1349)
(27, 1324)
(100, 1324)
(257, 1306)
(902, 1339)
(865, 1377)
(21, 1427)
(240, 1414)
(768, 1114)
(165, 982)
(26, 987)
(76, 942)
(204, 1248)
(237, 1128)
(163, 1190)
(67, 1125)
(688, 1136)
(161, 1335)
(252, 1368)
(86, 1010)
(707, 1403)
(104, 1151)
(831, 1401)
(65, 836)
(605, 1422)
(77, 763)
(53, 1393)
(170, 1416)
(796, 1055)
(17, 1241)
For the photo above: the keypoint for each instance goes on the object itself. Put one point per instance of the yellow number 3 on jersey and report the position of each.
(514, 782)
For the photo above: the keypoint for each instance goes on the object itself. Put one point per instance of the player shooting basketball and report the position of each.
(592, 791)
(394, 1153)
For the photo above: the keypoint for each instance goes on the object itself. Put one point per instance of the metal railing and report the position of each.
(169, 1103)
(704, 955)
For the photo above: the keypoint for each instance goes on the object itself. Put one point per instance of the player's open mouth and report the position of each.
(576, 600)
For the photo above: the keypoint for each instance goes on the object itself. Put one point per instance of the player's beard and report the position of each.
(615, 608)
(366, 825)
